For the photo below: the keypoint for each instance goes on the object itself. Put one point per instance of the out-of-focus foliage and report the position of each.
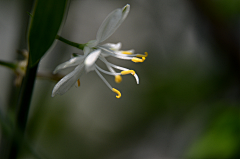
(45, 23)
(228, 10)
(221, 139)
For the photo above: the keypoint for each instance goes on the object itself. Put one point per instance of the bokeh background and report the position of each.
(187, 104)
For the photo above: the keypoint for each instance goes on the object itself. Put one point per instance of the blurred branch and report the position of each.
(8, 64)
(50, 76)
(44, 75)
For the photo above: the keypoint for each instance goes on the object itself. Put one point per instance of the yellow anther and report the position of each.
(128, 72)
(146, 55)
(126, 52)
(138, 60)
(118, 79)
(116, 91)
(78, 82)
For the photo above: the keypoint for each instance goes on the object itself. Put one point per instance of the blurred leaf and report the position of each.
(226, 9)
(44, 26)
(221, 140)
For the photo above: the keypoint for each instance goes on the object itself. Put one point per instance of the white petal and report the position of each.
(112, 46)
(68, 81)
(91, 59)
(72, 62)
(92, 43)
(125, 11)
(109, 25)
(86, 50)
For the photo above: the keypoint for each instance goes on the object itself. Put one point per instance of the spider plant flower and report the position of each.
(94, 50)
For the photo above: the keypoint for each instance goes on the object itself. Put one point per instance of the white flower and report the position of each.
(93, 51)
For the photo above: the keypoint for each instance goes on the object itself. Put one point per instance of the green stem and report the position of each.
(79, 46)
(24, 102)
(8, 64)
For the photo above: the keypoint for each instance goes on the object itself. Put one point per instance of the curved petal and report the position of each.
(112, 46)
(92, 43)
(86, 50)
(72, 62)
(68, 81)
(125, 11)
(109, 25)
(91, 59)
(112, 28)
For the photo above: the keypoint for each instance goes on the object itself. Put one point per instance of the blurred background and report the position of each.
(187, 104)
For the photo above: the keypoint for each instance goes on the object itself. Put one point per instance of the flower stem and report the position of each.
(8, 64)
(79, 46)
(24, 102)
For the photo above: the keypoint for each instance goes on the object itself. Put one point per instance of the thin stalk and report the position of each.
(8, 64)
(24, 102)
(79, 46)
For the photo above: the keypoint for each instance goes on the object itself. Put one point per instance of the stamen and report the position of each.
(104, 80)
(138, 60)
(118, 79)
(128, 72)
(106, 72)
(115, 66)
(112, 53)
(126, 52)
(78, 82)
(116, 91)
(146, 55)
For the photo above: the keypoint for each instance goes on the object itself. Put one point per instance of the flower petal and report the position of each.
(86, 50)
(68, 81)
(72, 62)
(109, 25)
(112, 46)
(125, 11)
(91, 59)
(92, 43)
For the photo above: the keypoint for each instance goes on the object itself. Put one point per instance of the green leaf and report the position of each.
(44, 26)
(221, 140)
